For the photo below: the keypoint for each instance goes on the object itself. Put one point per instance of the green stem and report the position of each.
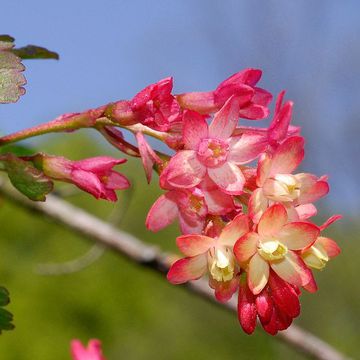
(74, 122)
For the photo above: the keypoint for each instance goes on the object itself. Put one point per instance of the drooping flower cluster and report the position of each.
(243, 210)
(245, 225)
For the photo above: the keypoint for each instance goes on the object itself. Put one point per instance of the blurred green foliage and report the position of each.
(134, 311)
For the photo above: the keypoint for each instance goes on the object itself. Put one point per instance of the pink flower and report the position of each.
(92, 352)
(190, 206)
(277, 184)
(155, 106)
(213, 255)
(253, 101)
(186, 205)
(275, 245)
(93, 175)
(322, 250)
(275, 306)
(213, 151)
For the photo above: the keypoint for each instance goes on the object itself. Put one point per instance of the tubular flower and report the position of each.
(276, 184)
(274, 246)
(253, 101)
(322, 250)
(213, 151)
(213, 255)
(190, 206)
(155, 106)
(91, 352)
(93, 175)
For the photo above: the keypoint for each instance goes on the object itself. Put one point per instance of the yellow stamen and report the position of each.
(272, 250)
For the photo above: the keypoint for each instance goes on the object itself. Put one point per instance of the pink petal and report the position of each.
(187, 269)
(246, 246)
(109, 195)
(273, 219)
(279, 101)
(330, 246)
(279, 126)
(284, 295)
(191, 224)
(148, 155)
(98, 163)
(246, 309)
(246, 148)
(261, 97)
(225, 120)
(311, 189)
(236, 228)
(258, 274)
(287, 156)
(163, 212)
(195, 129)
(264, 306)
(201, 102)
(292, 269)
(88, 182)
(263, 169)
(247, 76)
(228, 177)
(224, 290)
(311, 286)
(117, 181)
(192, 245)
(218, 203)
(258, 204)
(298, 235)
(183, 171)
(305, 211)
(254, 112)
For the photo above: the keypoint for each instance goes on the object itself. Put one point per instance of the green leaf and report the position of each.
(26, 178)
(35, 52)
(6, 317)
(11, 68)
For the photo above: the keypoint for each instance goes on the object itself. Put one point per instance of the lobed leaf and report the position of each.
(11, 68)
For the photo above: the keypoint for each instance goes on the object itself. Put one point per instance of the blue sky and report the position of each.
(111, 49)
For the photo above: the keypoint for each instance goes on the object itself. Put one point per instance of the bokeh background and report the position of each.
(110, 50)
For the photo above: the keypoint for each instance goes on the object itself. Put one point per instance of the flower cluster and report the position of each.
(244, 211)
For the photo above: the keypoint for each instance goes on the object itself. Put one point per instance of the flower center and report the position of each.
(272, 250)
(221, 264)
(213, 152)
(282, 187)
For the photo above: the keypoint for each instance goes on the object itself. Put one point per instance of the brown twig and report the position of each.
(95, 229)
